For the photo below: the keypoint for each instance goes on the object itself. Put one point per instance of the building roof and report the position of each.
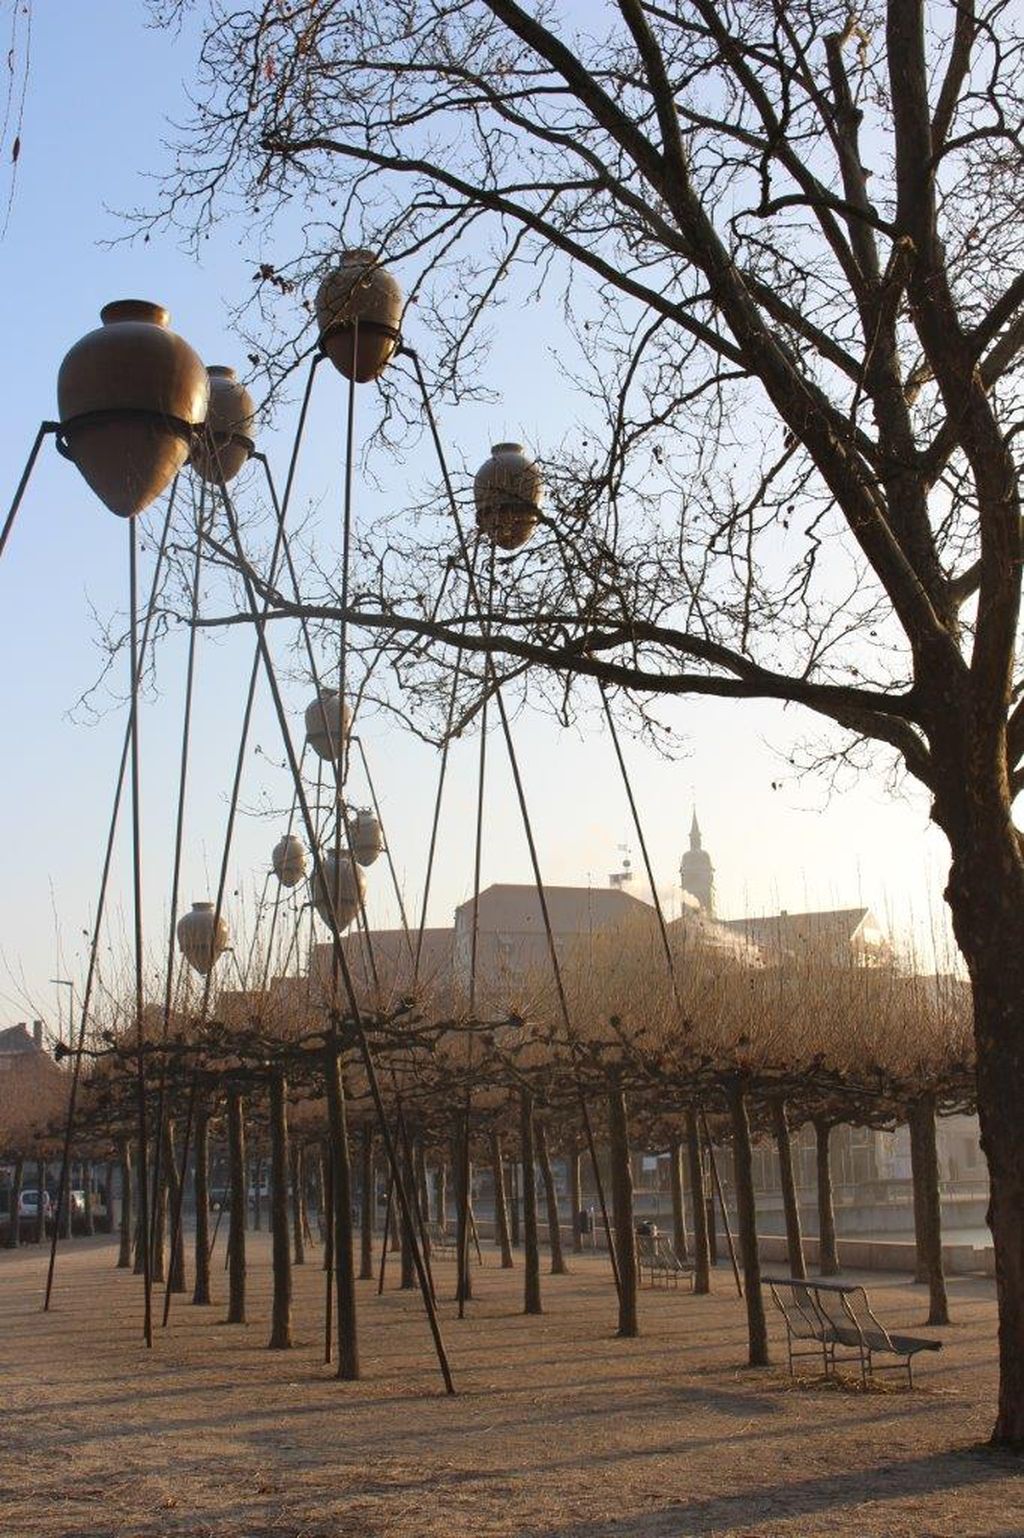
(17, 1038)
(512, 908)
(790, 934)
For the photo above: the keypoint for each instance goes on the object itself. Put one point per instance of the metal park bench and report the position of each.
(825, 1317)
(656, 1255)
(443, 1244)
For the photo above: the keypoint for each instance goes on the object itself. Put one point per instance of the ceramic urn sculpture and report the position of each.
(327, 724)
(131, 395)
(508, 491)
(200, 943)
(365, 834)
(339, 885)
(289, 860)
(225, 443)
(358, 314)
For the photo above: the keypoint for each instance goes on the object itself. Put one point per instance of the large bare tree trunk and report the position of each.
(531, 1253)
(201, 1186)
(239, 1198)
(743, 1168)
(698, 1206)
(927, 1203)
(675, 1170)
(558, 1266)
(14, 1225)
(828, 1254)
(341, 1185)
(790, 1202)
(622, 1208)
(501, 1231)
(124, 1253)
(366, 1208)
(281, 1310)
(576, 1198)
(299, 1222)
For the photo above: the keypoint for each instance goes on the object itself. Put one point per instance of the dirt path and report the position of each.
(558, 1430)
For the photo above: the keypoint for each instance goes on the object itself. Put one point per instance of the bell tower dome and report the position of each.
(696, 872)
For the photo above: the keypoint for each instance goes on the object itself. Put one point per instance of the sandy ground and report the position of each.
(558, 1429)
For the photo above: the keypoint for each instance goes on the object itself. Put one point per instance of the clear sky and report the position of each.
(101, 86)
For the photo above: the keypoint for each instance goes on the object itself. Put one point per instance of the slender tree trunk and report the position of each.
(201, 1188)
(441, 1193)
(422, 1187)
(140, 1241)
(516, 1210)
(698, 1206)
(927, 1201)
(828, 1254)
(257, 1193)
(88, 1186)
(407, 1279)
(746, 1210)
(917, 1204)
(40, 1212)
(366, 1212)
(558, 1266)
(158, 1267)
(108, 1226)
(576, 1198)
(531, 1255)
(124, 1254)
(790, 1202)
(501, 1231)
(69, 1184)
(239, 1201)
(460, 1167)
(173, 1182)
(14, 1226)
(299, 1223)
(675, 1170)
(622, 1211)
(281, 1311)
(344, 1268)
(324, 1205)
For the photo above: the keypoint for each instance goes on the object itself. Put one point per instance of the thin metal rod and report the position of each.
(44, 429)
(369, 1066)
(147, 1275)
(523, 809)
(721, 1200)
(387, 847)
(438, 798)
(91, 972)
(180, 1196)
(179, 829)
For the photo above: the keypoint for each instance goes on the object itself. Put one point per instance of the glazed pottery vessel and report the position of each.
(200, 943)
(289, 860)
(130, 394)
(327, 724)
(225, 443)
(359, 290)
(365, 834)
(351, 888)
(508, 491)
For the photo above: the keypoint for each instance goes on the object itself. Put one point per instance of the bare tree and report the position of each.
(786, 234)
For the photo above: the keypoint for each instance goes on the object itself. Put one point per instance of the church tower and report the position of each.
(696, 872)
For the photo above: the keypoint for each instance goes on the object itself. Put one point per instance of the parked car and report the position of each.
(28, 1204)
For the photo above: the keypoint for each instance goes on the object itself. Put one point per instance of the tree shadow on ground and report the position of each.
(831, 1493)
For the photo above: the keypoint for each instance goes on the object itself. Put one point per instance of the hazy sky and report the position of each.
(101, 86)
